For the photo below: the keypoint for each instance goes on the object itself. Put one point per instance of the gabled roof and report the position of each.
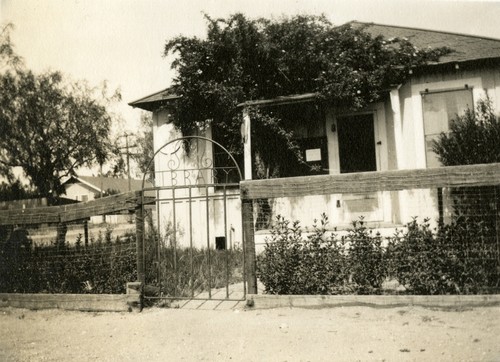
(108, 183)
(153, 101)
(465, 47)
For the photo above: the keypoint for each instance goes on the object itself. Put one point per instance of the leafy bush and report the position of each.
(459, 258)
(455, 259)
(365, 259)
(473, 138)
(320, 263)
(103, 266)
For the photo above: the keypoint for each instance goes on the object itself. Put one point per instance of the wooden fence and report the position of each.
(455, 176)
(251, 191)
(128, 201)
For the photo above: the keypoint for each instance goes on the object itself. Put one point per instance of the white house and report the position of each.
(393, 134)
(87, 188)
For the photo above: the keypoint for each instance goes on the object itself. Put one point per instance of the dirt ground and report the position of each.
(336, 334)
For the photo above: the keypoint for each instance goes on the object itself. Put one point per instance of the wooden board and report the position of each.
(364, 182)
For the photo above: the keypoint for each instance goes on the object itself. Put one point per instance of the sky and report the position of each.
(121, 41)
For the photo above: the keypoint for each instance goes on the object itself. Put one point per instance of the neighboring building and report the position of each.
(87, 188)
(393, 134)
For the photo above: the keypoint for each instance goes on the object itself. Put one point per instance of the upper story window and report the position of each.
(439, 108)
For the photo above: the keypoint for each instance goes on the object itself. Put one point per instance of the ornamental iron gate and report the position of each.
(191, 223)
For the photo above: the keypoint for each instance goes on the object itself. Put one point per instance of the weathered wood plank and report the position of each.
(454, 176)
(80, 211)
(106, 205)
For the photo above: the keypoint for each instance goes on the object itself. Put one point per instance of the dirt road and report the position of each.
(337, 334)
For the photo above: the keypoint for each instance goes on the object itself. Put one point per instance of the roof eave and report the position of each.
(278, 101)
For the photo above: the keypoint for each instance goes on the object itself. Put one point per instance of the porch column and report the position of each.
(398, 128)
(398, 198)
(246, 134)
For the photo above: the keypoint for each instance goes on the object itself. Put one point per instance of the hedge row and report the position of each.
(461, 258)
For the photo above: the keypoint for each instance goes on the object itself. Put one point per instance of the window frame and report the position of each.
(428, 92)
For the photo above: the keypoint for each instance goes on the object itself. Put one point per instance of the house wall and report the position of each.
(423, 203)
(188, 179)
(75, 191)
(342, 209)
(400, 144)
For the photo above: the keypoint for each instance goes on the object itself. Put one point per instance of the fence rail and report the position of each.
(432, 231)
(66, 213)
(453, 176)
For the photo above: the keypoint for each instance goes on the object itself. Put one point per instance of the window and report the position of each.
(307, 122)
(439, 108)
(85, 198)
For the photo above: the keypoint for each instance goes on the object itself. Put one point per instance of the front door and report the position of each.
(357, 143)
(357, 153)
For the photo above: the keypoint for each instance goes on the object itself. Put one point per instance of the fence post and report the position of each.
(86, 232)
(249, 245)
(139, 236)
(61, 231)
(497, 223)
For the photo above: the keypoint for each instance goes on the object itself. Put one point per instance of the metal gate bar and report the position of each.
(194, 273)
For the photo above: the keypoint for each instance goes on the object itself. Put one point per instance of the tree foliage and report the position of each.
(8, 56)
(50, 126)
(15, 190)
(243, 59)
(144, 142)
(473, 138)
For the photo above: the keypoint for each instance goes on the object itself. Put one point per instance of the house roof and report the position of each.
(108, 183)
(153, 101)
(465, 47)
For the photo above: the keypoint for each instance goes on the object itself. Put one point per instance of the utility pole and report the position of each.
(128, 154)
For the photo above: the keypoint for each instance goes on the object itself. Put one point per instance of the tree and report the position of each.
(8, 57)
(144, 142)
(243, 59)
(49, 126)
(15, 190)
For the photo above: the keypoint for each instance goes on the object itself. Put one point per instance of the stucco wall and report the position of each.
(424, 203)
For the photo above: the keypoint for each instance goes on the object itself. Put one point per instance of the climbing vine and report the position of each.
(245, 59)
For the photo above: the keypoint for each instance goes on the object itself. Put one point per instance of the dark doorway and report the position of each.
(356, 143)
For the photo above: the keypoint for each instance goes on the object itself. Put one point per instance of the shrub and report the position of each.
(459, 258)
(365, 262)
(473, 138)
(454, 259)
(320, 263)
(103, 266)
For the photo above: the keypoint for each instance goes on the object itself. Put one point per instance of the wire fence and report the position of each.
(434, 231)
(79, 248)
(101, 264)
(412, 232)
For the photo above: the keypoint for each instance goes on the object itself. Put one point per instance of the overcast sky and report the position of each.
(121, 41)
